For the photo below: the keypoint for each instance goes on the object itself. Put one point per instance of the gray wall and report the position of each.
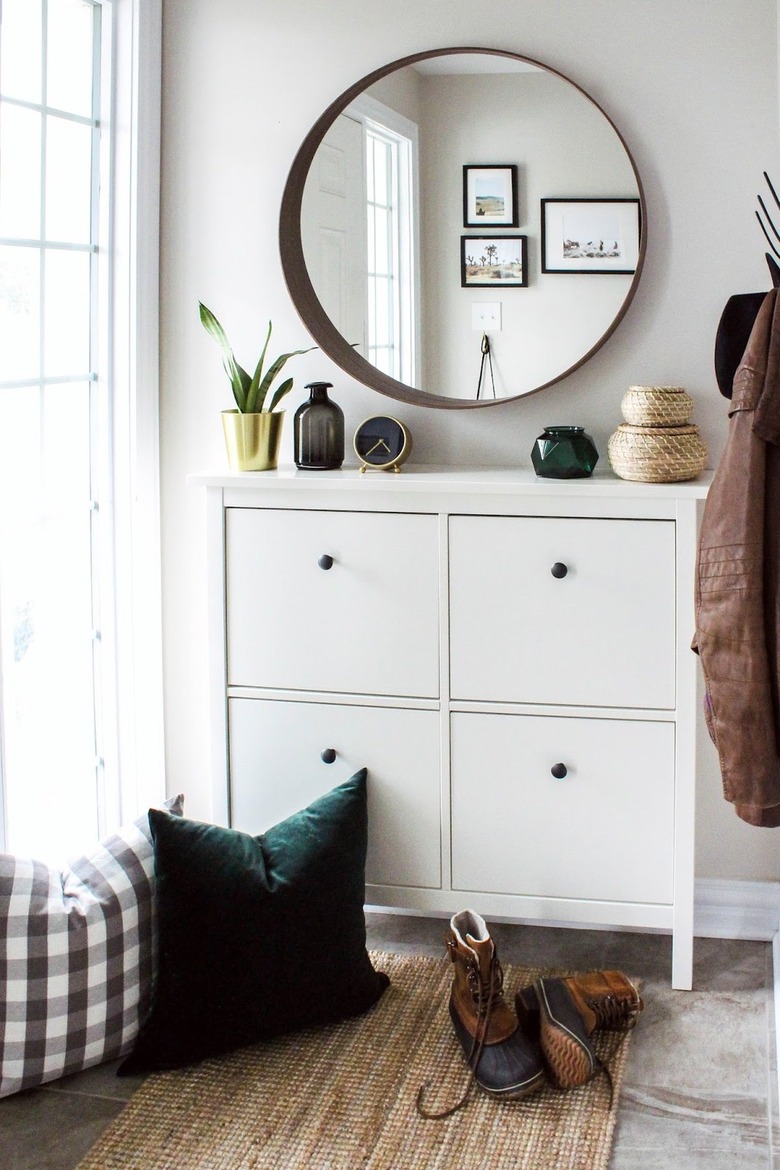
(693, 89)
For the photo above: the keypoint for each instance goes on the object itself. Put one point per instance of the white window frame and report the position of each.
(128, 265)
(135, 249)
(376, 115)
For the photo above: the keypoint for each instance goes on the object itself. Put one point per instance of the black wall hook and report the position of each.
(739, 315)
(487, 358)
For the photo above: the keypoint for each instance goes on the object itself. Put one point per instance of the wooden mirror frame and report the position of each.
(302, 291)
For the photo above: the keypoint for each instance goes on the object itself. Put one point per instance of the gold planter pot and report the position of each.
(252, 440)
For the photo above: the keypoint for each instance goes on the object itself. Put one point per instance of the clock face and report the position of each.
(381, 441)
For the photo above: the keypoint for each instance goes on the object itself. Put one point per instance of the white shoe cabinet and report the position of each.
(509, 658)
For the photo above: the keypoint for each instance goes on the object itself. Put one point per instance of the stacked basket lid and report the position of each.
(657, 443)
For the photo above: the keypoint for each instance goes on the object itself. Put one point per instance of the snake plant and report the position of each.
(251, 393)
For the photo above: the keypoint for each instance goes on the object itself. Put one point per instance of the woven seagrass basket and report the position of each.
(654, 406)
(657, 454)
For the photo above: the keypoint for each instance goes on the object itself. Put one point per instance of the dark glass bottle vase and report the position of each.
(318, 431)
(564, 453)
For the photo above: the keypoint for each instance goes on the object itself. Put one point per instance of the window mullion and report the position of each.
(108, 776)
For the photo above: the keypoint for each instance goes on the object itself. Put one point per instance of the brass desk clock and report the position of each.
(382, 444)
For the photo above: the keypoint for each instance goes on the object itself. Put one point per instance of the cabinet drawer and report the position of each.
(602, 634)
(368, 624)
(604, 831)
(276, 768)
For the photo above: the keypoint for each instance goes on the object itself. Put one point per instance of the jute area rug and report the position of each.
(343, 1097)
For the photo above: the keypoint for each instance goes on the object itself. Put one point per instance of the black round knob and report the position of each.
(559, 570)
(328, 755)
(559, 771)
(325, 561)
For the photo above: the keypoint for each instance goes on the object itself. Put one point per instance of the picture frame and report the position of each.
(490, 195)
(494, 261)
(592, 236)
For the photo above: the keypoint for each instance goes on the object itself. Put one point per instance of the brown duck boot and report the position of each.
(565, 1013)
(502, 1059)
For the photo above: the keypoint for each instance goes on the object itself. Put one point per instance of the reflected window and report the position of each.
(391, 256)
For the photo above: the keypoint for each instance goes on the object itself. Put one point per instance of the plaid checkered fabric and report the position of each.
(76, 957)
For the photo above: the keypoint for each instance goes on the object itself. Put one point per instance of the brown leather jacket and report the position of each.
(738, 583)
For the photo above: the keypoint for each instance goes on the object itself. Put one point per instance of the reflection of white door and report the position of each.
(333, 219)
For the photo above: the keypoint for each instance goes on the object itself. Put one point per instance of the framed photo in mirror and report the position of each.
(490, 196)
(494, 261)
(590, 235)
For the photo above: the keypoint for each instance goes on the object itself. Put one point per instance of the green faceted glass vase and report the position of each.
(564, 453)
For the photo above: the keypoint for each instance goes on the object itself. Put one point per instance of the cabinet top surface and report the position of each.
(477, 480)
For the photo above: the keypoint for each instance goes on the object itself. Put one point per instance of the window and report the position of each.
(74, 434)
(390, 146)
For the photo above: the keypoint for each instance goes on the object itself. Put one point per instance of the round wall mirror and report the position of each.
(462, 227)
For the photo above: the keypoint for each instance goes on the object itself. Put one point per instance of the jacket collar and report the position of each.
(757, 380)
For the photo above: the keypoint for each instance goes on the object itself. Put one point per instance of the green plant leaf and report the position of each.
(212, 326)
(239, 379)
(252, 392)
(274, 371)
(280, 392)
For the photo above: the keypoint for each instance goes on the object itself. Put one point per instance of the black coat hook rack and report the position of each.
(739, 315)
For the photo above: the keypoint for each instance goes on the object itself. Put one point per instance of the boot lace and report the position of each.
(487, 995)
(615, 1014)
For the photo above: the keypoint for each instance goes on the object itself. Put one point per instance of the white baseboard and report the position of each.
(722, 909)
(736, 909)
(746, 910)
(776, 969)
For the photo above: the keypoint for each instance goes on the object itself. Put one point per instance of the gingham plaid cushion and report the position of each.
(76, 957)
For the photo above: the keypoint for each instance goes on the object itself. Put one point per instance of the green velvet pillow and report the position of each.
(257, 935)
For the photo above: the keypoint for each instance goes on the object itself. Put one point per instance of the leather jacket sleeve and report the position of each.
(736, 594)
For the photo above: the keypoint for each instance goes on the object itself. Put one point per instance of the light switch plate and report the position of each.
(486, 316)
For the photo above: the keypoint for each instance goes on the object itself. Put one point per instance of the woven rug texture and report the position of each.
(343, 1097)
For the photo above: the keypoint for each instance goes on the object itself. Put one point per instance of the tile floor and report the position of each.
(700, 1088)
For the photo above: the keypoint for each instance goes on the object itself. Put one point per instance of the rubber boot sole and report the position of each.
(569, 1057)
